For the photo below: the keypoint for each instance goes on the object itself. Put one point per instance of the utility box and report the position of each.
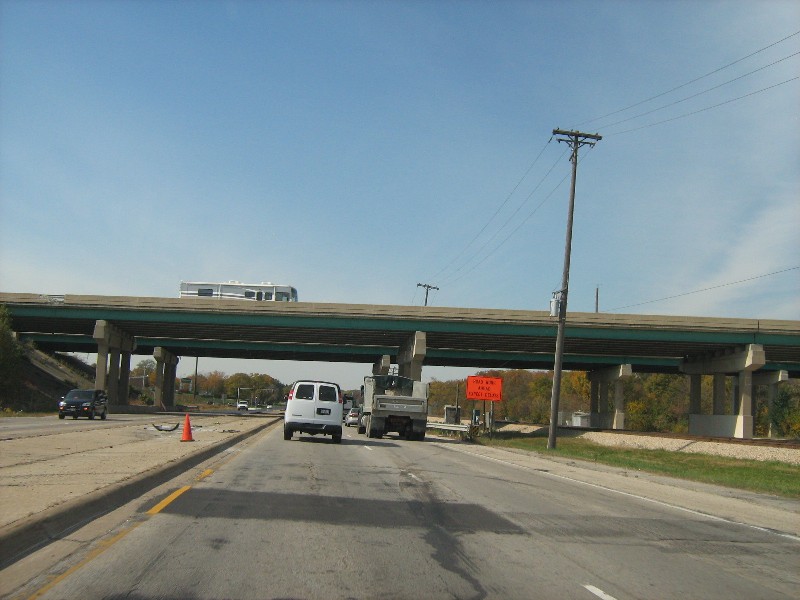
(581, 419)
(452, 414)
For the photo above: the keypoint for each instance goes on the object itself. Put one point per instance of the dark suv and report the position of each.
(84, 403)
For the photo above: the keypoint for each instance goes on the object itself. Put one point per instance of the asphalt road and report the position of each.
(389, 518)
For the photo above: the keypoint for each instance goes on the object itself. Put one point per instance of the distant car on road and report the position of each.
(84, 403)
(241, 405)
(353, 416)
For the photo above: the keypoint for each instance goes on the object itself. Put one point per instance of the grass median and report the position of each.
(778, 478)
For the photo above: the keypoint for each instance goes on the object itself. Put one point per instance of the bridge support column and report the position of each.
(381, 366)
(744, 405)
(112, 342)
(124, 376)
(719, 394)
(771, 379)
(101, 368)
(695, 394)
(599, 407)
(166, 368)
(411, 355)
(741, 361)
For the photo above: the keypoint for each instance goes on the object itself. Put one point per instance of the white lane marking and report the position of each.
(598, 592)
(788, 536)
(367, 448)
(415, 477)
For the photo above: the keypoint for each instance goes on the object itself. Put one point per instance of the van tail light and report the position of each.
(291, 394)
(341, 398)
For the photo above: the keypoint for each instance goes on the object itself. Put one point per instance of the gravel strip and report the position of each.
(646, 442)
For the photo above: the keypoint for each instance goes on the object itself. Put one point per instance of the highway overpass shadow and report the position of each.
(412, 512)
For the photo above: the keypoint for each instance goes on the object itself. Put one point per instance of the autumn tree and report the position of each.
(212, 383)
(239, 385)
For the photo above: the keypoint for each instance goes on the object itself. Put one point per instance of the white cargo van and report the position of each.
(314, 407)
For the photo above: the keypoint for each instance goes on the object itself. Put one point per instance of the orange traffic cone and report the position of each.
(187, 430)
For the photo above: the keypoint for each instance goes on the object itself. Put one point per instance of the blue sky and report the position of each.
(355, 149)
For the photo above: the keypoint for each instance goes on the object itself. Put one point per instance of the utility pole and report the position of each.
(575, 139)
(427, 289)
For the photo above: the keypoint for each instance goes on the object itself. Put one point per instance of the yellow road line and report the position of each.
(165, 502)
(102, 547)
(204, 474)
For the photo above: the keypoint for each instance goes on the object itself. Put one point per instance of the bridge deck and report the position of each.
(483, 338)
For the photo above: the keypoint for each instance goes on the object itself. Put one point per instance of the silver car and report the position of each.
(353, 416)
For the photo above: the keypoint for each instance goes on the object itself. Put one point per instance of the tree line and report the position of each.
(653, 401)
(215, 385)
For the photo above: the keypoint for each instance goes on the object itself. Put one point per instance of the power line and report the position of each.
(508, 220)
(696, 79)
(513, 231)
(713, 287)
(702, 92)
(496, 212)
(519, 226)
(707, 108)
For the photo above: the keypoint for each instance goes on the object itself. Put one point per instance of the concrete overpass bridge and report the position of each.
(607, 346)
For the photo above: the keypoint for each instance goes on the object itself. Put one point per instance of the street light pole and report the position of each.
(575, 139)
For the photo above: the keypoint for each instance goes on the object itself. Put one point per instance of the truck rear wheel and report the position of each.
(368, 427)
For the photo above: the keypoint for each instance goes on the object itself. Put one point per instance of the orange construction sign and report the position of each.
(484, 388)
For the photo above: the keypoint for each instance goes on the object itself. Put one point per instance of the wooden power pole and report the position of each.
(575, 139)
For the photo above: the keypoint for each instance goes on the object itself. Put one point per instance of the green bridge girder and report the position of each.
(480, 338)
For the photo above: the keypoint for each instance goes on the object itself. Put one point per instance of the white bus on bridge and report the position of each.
(235, 290)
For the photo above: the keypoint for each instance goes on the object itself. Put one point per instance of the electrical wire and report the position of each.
(508, 237)
(700, 93)
(525, 220)
(508, 220)
(713, 287)
(707, 108)
(454, 276)
(496, 212)
(696, 79)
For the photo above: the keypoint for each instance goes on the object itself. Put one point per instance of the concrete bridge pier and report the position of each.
(113, 376)
(742, 362)
(599, 408)
(411, 356)
(381, 366)
(166, 369)
(771, 379)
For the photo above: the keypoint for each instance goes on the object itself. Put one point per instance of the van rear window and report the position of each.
(328, 393)
(305, 391)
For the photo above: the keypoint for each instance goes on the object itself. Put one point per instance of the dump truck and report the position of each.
(394, 403)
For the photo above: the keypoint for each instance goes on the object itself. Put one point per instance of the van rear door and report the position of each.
(304, 408)
(328, 408)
